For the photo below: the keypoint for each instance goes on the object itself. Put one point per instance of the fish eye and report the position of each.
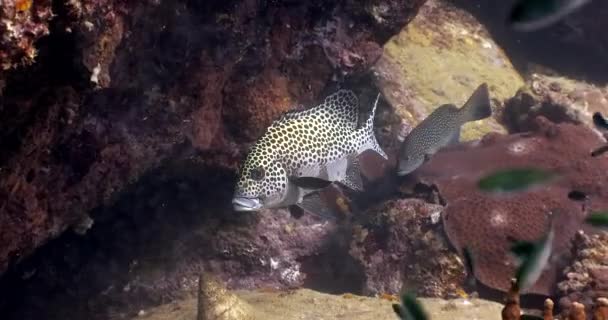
(257, 174)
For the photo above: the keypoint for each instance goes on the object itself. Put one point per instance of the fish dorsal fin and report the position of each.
(344, 105)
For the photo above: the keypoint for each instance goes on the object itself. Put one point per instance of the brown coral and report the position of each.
(400, 247)
(586, 279)
(488, 224)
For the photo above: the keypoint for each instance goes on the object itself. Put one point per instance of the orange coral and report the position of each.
(23, 5)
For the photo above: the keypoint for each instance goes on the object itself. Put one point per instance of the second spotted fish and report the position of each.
(441, 128)
(303, 150)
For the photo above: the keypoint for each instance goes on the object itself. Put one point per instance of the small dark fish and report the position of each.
(533, 257)
(530, 15)
(599, 121)
(410, 308)
(577, 195)
(441, 128)
(598, 219)
(512, 180)
(599, 151)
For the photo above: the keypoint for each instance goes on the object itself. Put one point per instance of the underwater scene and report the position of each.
(303, 159)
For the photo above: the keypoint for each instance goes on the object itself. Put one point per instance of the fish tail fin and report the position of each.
(368, 132)
(478, 106)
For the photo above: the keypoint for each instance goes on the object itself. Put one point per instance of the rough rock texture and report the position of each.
(587, 277)
(485, 223)
(308, 304)
(402, 247)
(121, 87)
(558, 99)
(441, 57)
(22, 22)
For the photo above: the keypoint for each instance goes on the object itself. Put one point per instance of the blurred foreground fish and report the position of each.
(410, 308)
(598, 219)
(533, 257)
(441, 128)
(304, 151)
(530, 15)
(513, 180)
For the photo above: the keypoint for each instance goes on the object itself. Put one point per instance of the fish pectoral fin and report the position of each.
(310, 183)
(352, 179)
(313, 204)
(427, 157)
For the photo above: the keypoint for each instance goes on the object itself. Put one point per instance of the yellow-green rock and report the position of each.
(441, 57)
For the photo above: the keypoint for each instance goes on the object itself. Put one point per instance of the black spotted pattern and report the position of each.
(298, 139)
(433, 132)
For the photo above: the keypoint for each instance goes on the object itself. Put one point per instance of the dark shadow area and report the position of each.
(95, 276)
(334, 270)
(569, 47)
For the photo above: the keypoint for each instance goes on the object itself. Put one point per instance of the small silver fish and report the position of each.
(533, 257)
(301, 150)
(441, 128)
(530, 15)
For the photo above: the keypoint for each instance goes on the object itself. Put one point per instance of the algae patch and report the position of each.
(439, 58)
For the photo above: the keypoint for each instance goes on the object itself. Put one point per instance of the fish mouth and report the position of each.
(246, 204)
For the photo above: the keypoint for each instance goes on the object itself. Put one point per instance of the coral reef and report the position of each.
(586, 279)
(125, 86)
(402, 246)
(486, 224)
(441, 57)
(556, 98)
(22, 23)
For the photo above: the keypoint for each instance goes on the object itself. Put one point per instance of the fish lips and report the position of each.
(246, 204)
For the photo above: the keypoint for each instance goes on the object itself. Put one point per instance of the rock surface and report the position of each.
(441, 57)
(308, 304)
(485, 223)
(402, 246)
(574, 47)
(558, 99)
(22, 23)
